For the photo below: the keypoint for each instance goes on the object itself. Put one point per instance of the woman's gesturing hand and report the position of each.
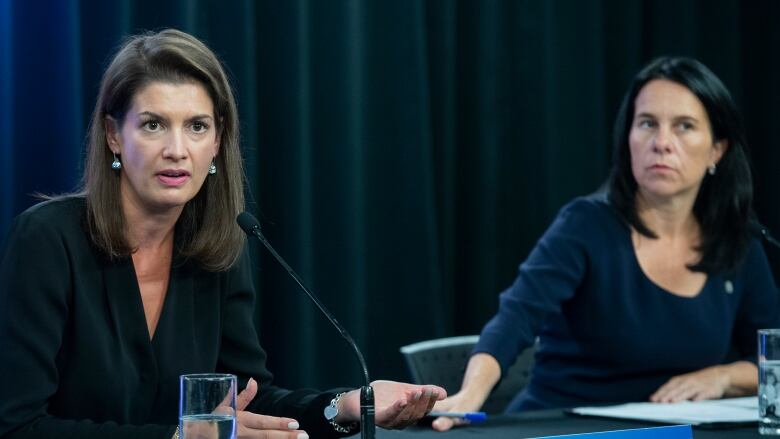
(398, 405)
(251, 425)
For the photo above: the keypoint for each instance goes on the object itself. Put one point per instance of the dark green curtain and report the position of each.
(403, 155)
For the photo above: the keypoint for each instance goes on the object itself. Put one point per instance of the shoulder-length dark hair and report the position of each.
(723, 206)
(206, 230)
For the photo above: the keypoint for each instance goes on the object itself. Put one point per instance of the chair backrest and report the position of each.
(443, 361)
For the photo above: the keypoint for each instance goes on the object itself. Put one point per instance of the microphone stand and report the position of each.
(251, 226)
(768, 236)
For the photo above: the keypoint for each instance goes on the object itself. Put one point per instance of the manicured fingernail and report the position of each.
(303, 436)
(417, 396)
(293, 425)
(428, 393)
(249, 381)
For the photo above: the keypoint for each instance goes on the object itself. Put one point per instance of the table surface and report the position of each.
(550, 423)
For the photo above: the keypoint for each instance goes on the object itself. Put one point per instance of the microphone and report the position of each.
(759, 229)
(251, 227)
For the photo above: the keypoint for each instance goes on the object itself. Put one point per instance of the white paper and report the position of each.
(686, 412)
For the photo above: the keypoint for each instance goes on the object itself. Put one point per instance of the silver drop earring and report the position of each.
(116, 164)
(212, 168)
(711, 169)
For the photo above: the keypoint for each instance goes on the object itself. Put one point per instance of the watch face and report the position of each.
(330, 412)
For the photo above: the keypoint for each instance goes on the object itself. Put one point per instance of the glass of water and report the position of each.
(207, 406)
(769, 381)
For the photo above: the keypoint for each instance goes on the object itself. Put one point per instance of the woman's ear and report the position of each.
(217, 143)
(218, 138)
(111, 128)
(718, 149)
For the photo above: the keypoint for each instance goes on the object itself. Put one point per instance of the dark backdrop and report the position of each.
(403, 155)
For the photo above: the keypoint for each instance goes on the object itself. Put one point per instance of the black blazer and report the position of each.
(76, 360)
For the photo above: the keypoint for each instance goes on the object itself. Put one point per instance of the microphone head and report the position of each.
(248, 223)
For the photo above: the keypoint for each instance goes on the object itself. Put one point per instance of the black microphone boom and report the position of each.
(764, 233)
(251, 227)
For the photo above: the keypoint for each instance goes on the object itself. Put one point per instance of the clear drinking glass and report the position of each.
(207, 406)
(769, 381)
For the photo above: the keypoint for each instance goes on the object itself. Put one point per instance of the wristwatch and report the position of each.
(332, 410)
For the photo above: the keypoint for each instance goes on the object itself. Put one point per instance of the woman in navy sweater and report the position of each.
(655, 290)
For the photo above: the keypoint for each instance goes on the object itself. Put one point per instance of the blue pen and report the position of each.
(475, 417)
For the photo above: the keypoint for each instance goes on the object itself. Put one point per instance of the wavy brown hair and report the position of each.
(206, 230)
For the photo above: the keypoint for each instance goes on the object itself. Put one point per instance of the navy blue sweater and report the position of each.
(607, 333)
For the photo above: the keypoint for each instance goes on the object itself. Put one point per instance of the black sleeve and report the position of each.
(241, 354)
(760, 304)
(35, 282)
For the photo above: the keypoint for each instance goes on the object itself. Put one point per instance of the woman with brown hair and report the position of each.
(110, 294)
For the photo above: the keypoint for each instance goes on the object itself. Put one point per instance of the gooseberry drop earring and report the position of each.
(116, 164)
(212, 168)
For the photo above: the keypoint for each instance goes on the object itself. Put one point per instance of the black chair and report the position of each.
(443, 361)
